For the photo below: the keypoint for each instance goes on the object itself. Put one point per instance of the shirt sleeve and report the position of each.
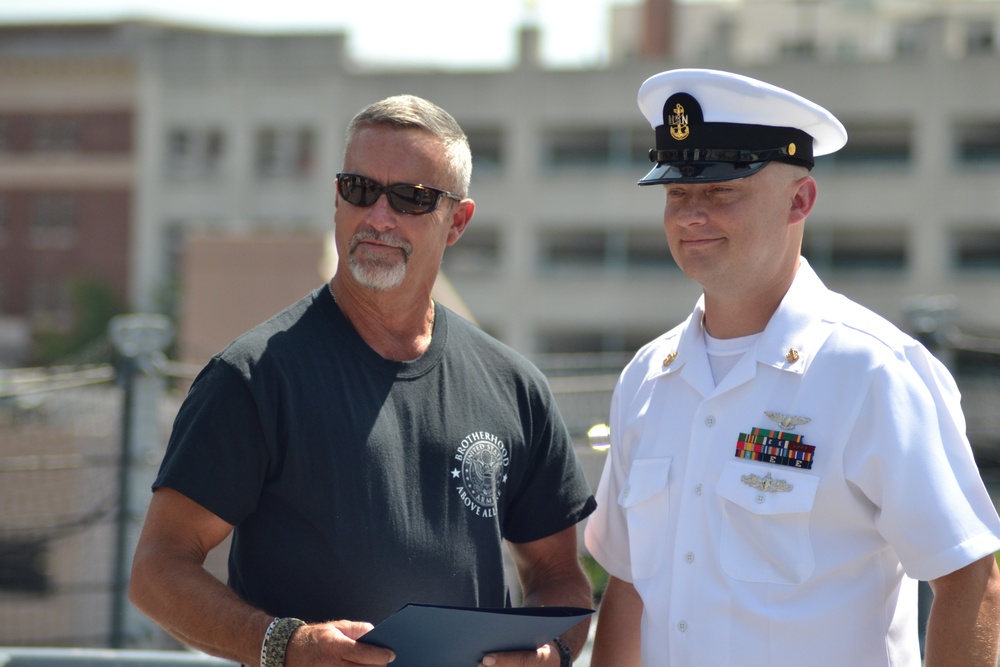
(555, 493)
(217, 454)
(606, 535)
(910, 456)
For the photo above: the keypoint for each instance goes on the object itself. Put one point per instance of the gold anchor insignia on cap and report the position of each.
(787, 421)
(792, 355)
(766, 483)
(669, 359)
(678, 122)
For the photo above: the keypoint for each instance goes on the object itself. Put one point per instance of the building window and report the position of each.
(487, 148)
(866, 248)
(570, 342)
(977, 364)
(4, 134)
(57, 134)
(798, 49)
(4, 221)
(911, 39)
(478, 251)
(618, 250)
(580, 147)
(599, 147)
(640, 141)
(882, 144)
(287, 153)
(978, 143)
(50, 303)
(976, 249)
(573, 249)
(647, 249)
(195, 152)
(979, 38)
(54, 220)
(22, 566)
(575, 341)
(630, 146)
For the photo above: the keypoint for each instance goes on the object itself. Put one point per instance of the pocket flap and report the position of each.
(767, 489)
(646, 478)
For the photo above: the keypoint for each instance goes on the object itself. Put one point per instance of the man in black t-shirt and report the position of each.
(366, 446)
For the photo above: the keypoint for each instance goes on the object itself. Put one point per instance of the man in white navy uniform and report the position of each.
(785, 464)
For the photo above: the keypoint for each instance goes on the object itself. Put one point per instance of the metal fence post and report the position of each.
(140, 340)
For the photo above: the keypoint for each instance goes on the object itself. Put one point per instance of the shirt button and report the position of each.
(682, 626)
(760, 498)
(689, 557)
(697, 490)
(625, 491)
(710, 421)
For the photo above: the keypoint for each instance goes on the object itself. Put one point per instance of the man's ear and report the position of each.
(803, 199)
(460, 217)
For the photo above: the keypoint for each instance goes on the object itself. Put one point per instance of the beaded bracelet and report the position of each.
(272, 649)
(565, 655)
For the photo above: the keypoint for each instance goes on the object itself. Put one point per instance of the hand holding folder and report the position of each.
(436, 636)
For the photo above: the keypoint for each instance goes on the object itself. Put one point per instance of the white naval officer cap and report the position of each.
(716, 126)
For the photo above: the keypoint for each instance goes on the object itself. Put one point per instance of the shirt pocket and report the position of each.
(765, 531)
(646, 502)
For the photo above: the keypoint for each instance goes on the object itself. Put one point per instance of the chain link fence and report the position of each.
(64, 523)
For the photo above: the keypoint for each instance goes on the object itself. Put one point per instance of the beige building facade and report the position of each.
(241, 134)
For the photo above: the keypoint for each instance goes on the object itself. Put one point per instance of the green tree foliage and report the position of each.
(93, 303)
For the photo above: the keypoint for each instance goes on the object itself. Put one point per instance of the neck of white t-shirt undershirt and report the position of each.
(723, 353)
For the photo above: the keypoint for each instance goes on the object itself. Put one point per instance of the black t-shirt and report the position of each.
(358, 484)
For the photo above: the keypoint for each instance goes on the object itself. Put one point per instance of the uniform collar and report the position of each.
(790, 341)
(796, 331)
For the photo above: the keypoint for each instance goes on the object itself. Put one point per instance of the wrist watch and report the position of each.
(565, 655)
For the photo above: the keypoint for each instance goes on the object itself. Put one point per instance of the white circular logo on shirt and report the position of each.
(481, 472)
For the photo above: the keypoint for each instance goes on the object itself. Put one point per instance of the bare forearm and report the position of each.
(950, 646)
(964, 623)
(570, 590)
(197, 608)
(617, 643)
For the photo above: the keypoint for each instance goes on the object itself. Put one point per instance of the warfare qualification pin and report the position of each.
(766, 483)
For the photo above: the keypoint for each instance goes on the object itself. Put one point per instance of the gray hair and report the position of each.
(409, 111)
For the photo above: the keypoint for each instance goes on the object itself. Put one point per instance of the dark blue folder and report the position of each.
(435, 636)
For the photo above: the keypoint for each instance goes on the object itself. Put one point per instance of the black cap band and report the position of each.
(716, 141)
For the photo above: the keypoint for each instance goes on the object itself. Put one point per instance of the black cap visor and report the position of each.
(701, 172)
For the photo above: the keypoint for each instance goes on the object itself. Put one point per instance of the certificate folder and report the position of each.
(434, 636)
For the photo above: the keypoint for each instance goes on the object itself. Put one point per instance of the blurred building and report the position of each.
(67, 106)
(118, 141)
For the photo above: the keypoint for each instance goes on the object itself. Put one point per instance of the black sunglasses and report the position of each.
(408, 198)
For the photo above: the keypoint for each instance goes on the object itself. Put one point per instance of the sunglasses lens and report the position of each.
(412, 199)
(358, 190)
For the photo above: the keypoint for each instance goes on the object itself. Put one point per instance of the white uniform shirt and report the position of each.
(750, 563)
